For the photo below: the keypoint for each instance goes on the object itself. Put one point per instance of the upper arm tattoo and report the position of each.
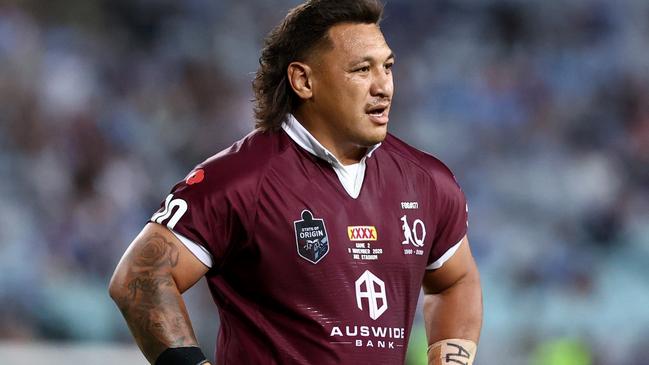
(157, 252)
(152, 304)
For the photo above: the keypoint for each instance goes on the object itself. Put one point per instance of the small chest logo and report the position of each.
(362, 233)
(414, 236)
(409, 205)
(311, 237)
(195, 177)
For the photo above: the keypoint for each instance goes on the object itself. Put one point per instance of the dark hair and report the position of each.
(303, 30)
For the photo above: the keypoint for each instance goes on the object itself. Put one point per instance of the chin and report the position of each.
(381, 133)
(376, 137)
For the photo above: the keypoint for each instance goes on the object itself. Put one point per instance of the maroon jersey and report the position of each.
(304, 273)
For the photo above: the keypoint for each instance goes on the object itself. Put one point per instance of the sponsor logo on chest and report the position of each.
(363, 238)
(362, 233)
(372, 299)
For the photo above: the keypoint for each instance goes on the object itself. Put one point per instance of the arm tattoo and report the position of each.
(152, 305)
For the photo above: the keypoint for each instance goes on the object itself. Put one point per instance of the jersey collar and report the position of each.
(306, 140)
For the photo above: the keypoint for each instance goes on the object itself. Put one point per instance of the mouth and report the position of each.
(378, 113)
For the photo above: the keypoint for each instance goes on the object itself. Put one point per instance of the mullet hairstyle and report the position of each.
(304, 29)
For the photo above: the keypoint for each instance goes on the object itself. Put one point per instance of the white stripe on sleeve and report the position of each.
(199, 251)
(445, 257)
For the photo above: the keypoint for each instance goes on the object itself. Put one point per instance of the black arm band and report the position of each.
(181, 356)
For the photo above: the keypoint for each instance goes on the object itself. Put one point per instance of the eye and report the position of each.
(363, 69)
(388, 66)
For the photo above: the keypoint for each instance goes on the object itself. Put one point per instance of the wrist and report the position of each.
(452, 351)
(182, 356)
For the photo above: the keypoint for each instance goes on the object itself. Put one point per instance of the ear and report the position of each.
(300, 78)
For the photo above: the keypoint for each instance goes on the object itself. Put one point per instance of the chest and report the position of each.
(307, 226)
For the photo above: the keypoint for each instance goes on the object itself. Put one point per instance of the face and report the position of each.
(352, 85)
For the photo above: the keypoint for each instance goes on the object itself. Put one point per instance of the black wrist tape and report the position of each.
(181, 356)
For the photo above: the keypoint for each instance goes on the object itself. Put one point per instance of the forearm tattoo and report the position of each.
(152, 305)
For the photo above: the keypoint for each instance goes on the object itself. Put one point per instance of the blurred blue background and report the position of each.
(541, 108)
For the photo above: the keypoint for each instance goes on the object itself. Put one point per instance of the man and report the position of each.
(316, 231)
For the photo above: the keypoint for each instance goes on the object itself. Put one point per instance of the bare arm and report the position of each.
(147, 285)
(453, 301)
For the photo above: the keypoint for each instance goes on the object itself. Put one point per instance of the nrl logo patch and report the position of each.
(311, 238)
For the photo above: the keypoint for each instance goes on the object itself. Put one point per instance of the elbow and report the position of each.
(113, 291)
(116, 288)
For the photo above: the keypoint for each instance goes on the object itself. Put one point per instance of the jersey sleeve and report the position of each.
(452, 219)
(201, 216)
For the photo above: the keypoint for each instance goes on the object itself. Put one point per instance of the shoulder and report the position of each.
(447, 195)
(418, 159)
(239, 167)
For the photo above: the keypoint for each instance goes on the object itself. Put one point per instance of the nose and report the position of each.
(382, 83)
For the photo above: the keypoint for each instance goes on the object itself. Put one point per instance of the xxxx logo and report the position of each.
(362, 233)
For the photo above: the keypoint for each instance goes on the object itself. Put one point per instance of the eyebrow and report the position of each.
(370, 59)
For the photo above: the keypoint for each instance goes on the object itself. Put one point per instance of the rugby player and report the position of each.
(317, 231)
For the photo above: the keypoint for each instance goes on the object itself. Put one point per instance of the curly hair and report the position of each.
(303, 30)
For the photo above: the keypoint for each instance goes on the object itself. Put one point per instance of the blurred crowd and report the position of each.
(541, 108)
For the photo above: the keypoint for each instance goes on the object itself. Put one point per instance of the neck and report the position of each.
(346, 152)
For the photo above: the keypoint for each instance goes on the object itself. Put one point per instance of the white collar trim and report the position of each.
(306, 140)
(351, 178)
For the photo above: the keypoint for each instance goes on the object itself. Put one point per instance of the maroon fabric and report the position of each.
(305, 274)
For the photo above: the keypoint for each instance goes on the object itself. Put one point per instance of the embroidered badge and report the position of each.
(311, 237)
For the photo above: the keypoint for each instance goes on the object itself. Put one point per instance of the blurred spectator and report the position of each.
(540, 107)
